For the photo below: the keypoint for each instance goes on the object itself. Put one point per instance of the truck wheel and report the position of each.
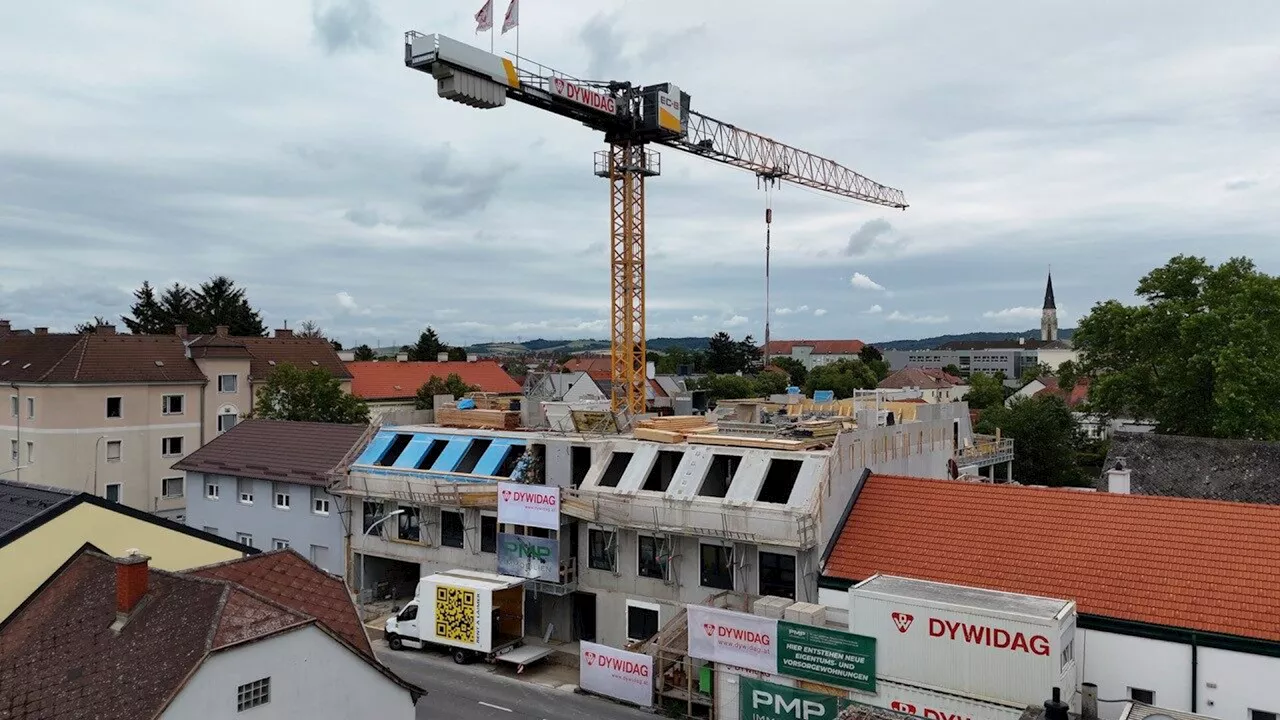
(394, 642)
(462, 657)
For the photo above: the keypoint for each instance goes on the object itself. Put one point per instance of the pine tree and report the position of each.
(428, 346)
(176, 308)
(146, 315)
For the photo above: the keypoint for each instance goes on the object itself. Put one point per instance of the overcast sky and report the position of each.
(286, 145)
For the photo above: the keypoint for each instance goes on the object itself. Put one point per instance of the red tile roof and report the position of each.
(820, 347)
(915, 377)
(587, 363)
(287, 578)
(401, 380)
(277, 450)
(1196, 564)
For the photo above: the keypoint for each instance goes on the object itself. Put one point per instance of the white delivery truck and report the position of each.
(992, 646)
(473, 614)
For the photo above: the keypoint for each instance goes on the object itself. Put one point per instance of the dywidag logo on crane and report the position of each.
(583, 95)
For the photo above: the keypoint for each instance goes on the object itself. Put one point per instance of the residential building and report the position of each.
(815, 352)
(271, 634)
(935, 386)
(390, 386)
(109, 414)
(1010, 360)
(1195, 467)
(644, 526)
(1175, 596)
(1094, 425)
(264, 483)
(40, 527)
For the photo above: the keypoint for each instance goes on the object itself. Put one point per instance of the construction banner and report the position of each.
(733, 638)
(533, 558)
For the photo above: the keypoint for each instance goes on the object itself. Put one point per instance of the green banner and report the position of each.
(760, 700)
(827, 656)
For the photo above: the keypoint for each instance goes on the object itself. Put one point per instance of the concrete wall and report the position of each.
(315, 536)
(312, 676)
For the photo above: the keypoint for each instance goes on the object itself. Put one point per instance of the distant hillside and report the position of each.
(932, 342)
(557, 347)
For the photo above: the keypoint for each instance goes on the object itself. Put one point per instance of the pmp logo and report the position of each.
(902, 707)
(903, 621)
(590, 656)
(710, 628)
(506, 494)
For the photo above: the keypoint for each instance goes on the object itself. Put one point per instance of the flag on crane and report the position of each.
(512, 18)
(484, 18)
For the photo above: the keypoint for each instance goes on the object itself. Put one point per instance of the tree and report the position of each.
(984, 392)
(842, 377)
(1035, 372)
(1068, 375)
(796, 370)
(771, 380)
(457, 354)
(677, 358)
(85, 328)
(146, 315)
(1200, 356)
(309, 329)
(726, 386)
(364, 353)
(869, 354)
(1044, 435)
(879, 368)
(724, 355)
(428, 346)
(311, 395)
(177, 307)
(953, 370)
(425, 399)
(337, 346)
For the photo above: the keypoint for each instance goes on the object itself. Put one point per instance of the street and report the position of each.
(470, 692)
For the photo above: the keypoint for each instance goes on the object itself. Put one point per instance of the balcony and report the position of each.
(987, 450)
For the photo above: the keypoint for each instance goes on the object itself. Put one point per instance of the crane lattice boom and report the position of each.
(630, 117)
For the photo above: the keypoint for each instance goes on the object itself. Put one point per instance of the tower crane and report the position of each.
(631, 117)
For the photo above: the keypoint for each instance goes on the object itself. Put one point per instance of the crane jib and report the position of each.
(583, 95)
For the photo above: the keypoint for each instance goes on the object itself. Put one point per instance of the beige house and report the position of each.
(110, 414)
(935, 386)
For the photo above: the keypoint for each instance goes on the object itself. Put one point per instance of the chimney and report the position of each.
(1118, 480)
(180, 330)
(442, 357)
(42, 331)
(284, 333)
(131, 582)
(1089, 701)
(402, 357)
(105, 329)
(4, 328)
(1055, 709)
(472, 358)
(222, 331)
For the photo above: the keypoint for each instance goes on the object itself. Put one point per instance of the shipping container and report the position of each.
(982, 644)
(936, 705)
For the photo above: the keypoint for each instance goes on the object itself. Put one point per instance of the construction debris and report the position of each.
(673, 429)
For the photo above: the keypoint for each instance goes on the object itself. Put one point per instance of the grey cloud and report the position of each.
(341, 25)
(363, 217)
(1241, 183)
(607, 56)
(872, 235)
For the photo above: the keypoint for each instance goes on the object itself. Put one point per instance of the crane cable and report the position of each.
(769, 182)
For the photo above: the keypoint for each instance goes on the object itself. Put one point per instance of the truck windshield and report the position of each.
(409, 613)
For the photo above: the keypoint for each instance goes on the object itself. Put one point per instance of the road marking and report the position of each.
(495, 707)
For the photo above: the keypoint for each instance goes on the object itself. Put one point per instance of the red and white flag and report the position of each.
(484, 18)
(512, 18)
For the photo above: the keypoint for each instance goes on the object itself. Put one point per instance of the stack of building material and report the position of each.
(824, 429)
(672, 429)
(491, 400)
(477, 418)
(759, 443)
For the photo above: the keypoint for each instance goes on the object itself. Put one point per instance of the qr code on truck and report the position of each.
(455, 613)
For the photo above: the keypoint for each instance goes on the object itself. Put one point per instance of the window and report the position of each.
(450, 529)
(13, 405)
(113, 450)
(319, 556)
(716, 569)
(642, 620)
(115, 407)
(244, 486)
(409, 613)
(777, 575)
(372, 514)
(244, 539)
(112, 492)
(1147, 697)
(226, 421)
(281, 492)
(211, 530)
(13, 451)
(251, 695)
(602, 550)
(171, 446)
(319, 501)
(172, 404)
(650, 562)
(31, 408)
(31, 453)
(279, 544)
(408, 524)
(613, 472)
(226, 383)
(1262, 715)
(488, 533)
(211, 490)
(172, 487)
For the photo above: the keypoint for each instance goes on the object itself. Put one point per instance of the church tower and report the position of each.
(1049, 316)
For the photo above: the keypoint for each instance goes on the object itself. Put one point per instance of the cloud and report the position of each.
(346, 25)
(349, 304)
(1242, 183)
(699, 318)
(735, 321)
(791, 311)
(862, 282)
(922, 319)
(1014, 314)
(872, 235)
(873, 310)
(819, 312)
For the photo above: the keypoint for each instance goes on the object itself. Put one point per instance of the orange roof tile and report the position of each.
(401, 380)
(1196, 564)
(588, 363)
(820, 347)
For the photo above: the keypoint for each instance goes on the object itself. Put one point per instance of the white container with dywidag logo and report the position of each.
(978, 643)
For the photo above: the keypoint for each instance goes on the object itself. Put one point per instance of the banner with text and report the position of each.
(827, 656)
(616, 673)
(760, 700)
(529, 557)
(532, 505)
(734, 638)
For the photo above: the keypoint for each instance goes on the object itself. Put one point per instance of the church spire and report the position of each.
(1048, 295)
(1049, 315)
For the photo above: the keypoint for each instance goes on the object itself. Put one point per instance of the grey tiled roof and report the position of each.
(19, 502)
(1192, 467)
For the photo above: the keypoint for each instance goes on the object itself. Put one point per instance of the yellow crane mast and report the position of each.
(631, 117)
